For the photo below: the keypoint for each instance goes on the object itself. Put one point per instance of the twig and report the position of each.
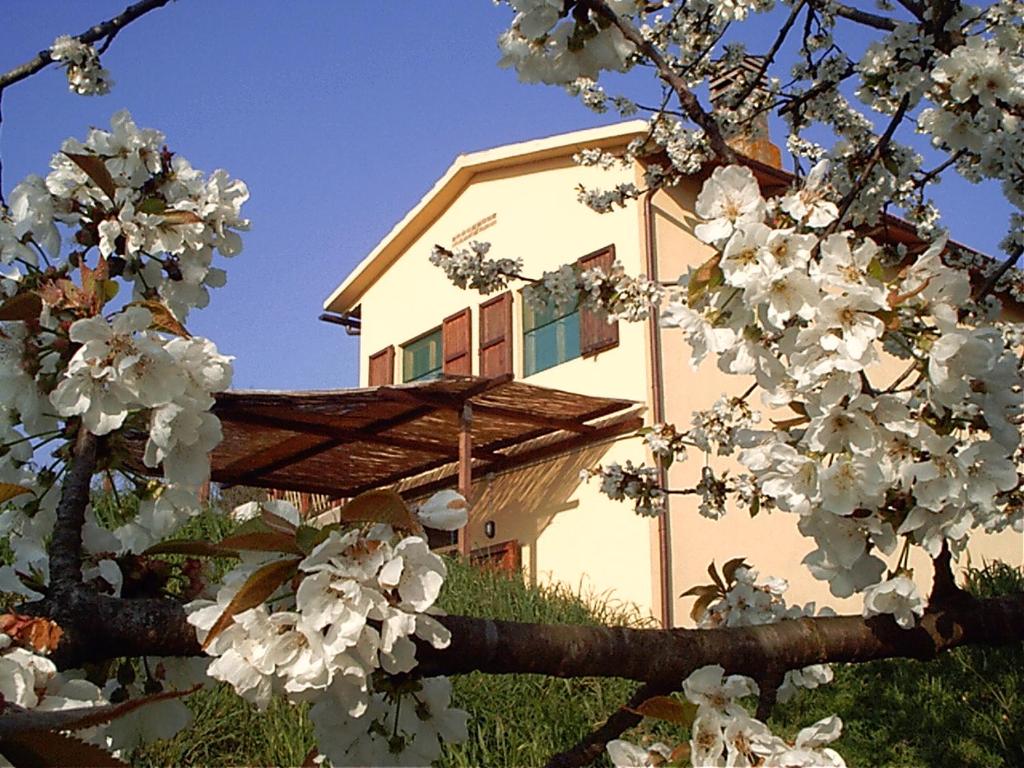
(876, 154)
(770, 56)
(66, 544)
(106, 29)
(996, 276)
(687, 100)
(872, 20)
(590, 747)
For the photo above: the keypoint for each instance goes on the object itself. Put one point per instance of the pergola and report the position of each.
(423, 436)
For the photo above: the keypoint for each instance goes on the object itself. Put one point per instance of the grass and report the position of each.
(965, 708)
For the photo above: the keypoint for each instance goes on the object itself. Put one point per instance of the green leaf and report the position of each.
(308, 537)
(755, 505)
(152, 205)
(261, 584)
(94, 167)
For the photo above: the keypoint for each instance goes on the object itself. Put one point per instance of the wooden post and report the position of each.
(465, 467)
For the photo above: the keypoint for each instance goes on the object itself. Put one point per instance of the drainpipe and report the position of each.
(658, 414)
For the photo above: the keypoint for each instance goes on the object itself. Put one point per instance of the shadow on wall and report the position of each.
(523, 503)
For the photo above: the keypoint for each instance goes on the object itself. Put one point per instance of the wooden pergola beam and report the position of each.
(616, 428)
(368, 433)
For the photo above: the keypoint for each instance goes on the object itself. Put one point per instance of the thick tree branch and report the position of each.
(66, 544)
(99, 627)
(687, 100)
(593, 744)
(106, 29)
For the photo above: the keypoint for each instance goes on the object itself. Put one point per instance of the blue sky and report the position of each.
(338, 115)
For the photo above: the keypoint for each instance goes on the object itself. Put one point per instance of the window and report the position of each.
(421, 359)
(551, 335)
(554, 335)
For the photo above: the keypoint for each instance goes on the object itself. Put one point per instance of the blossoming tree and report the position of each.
(103, 259)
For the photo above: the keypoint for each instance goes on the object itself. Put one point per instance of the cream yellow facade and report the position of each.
(522, 199)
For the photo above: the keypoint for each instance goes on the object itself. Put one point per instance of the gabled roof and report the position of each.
(457, 178)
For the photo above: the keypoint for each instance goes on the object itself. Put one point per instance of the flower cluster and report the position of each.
(544, 46)
(86, 76)
(636, 483)
(30, 680)
(470, 267)
(116, 208)
(723, 733)
(739, 598)
(927, 456)
(343, 629)
(618, 295)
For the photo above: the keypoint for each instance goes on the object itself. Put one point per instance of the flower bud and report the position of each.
(444, 511)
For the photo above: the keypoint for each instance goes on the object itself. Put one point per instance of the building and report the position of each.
(415, 325)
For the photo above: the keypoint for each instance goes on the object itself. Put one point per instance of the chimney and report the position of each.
(754, 142)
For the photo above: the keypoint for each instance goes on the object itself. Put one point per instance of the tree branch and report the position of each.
(106, 29)
(872, 20)
(66, 544)
(687, 100)
(876, 155)
(593, 744)
(100, 627)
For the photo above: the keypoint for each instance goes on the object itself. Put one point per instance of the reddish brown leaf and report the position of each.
(700, 591)
(260, 585)
(181, 217)
(16, 724)
(680, 755)
(189, 547)
(163, 318)
(669, 709)
(277, 523)
(22, 306)
(713, 573)
(701, 606)
(729, 569)
(383, 506)
(10, 491)
(94, 167)
(42, 750)
(269, 541)
(32, 631)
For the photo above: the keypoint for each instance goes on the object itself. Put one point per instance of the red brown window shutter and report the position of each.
(496, 335)
(457, 343)
(382, 367)
(596, 333)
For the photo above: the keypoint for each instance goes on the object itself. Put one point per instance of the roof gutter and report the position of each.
(658, 414)
(350, 321)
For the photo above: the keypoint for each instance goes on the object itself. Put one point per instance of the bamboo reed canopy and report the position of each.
(346, 441)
